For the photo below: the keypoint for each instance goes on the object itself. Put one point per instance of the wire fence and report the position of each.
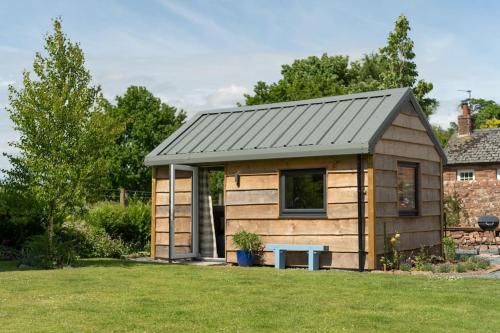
(117, 195)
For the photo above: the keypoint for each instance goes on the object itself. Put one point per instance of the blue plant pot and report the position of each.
(245, 258)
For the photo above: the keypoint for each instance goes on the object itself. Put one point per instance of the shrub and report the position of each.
(427, 267)
(483, 263)
(131, 223)
(20, 216)
(35, 252)
(93, 242)
(405, 267)
(449, 248)
(444, 268)
(421, 259)
(474, 263)
(247, 241)
(461, 267)
(8, 253)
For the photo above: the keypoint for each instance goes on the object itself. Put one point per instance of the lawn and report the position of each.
(117, 296)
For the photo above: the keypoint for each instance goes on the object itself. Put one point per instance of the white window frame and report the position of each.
(466, 171)
(498, 174)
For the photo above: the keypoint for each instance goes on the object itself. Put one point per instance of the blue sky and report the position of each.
(207, 54)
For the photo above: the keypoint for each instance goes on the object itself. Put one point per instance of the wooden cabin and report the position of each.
(332, 171)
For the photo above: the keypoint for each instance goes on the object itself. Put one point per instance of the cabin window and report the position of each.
(408, 189)
(303, 192)
(463, 175)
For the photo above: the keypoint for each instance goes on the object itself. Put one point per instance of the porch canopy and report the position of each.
(338, 125)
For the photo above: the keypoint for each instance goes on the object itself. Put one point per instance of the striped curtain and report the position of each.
(205, 218)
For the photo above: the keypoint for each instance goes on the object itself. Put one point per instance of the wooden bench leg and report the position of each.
(313, 260)
(279, 259)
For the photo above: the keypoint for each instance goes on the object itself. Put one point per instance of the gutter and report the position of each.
(361, 213)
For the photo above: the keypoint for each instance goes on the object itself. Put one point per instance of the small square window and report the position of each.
(408, 189)
(464, 175)
(303, 192)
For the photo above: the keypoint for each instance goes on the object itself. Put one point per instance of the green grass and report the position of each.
(117, 296)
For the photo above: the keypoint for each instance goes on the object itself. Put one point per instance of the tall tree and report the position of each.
(392, 67)
(484, 113)
(401, 70)
(146, 123)
(63, 129)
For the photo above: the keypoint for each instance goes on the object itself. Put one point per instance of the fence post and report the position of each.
(123, 197)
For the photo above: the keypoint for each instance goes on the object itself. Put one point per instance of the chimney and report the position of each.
(465, 120)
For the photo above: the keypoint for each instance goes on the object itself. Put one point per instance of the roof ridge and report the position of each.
(324, 99)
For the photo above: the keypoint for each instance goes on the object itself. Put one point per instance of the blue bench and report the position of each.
(312, 251)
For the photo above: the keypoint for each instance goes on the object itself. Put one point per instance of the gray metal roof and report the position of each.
(337, 125)
(482, 146)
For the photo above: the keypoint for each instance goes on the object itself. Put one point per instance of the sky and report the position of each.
(199, 55)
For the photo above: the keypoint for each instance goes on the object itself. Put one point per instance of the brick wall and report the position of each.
(480, 196)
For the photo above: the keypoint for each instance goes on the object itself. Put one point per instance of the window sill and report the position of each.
(408, 214)
(303, 216)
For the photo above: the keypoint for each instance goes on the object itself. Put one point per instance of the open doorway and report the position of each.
(212, 223)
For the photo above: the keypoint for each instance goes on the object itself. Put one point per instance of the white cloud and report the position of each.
(204, 99)
(194, 17)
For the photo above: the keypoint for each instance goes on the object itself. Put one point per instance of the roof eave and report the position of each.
(263, 154)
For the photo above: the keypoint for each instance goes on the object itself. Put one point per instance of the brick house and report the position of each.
(473, 169)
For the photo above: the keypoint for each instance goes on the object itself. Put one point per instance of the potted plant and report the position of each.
(248, 243)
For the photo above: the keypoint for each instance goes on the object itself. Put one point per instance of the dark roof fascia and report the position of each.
(261, 154)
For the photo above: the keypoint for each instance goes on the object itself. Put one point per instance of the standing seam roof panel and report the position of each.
(254, 130)
(330, 119)
(361, 115)
(336, 125)
(293, 127)
(179, 141)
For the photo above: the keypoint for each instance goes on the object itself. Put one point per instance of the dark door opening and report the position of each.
(215, 177)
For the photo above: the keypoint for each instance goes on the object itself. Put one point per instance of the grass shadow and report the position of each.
(13, 265)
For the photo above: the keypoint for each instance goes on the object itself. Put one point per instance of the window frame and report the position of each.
(498, 174)
(301, 212)
(464, 171)
(411, 211)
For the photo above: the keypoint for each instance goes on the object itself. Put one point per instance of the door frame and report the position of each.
(194, 213)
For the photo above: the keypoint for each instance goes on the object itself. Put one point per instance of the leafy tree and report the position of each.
(444, 135)
(392, 67)
(484, 112)
(62, 128)
(491, 123)
(146, 123)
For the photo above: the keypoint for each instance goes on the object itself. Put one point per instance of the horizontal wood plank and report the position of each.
(181, 185)
(252, 212)
(344, 211)
(182, 224)
(409, 121)
(294, 227)
(253, 182)
(407, 224)
(410, 150)
(252, 197)
(180, 211)
(403, 134)
(344, 243)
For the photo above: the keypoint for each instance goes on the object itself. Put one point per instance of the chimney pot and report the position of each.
(465, 108)
(465, 120)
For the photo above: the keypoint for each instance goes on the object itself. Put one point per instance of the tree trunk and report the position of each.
(50, 234)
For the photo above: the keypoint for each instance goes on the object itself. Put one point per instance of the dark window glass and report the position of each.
(303, 192)
(408, 188)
